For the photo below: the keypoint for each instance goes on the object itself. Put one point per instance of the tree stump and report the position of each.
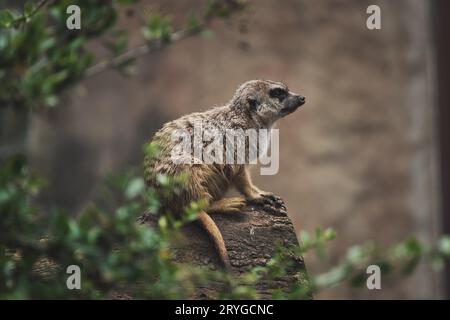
(252, 237)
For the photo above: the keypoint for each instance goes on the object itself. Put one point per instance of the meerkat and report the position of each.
(257, 104)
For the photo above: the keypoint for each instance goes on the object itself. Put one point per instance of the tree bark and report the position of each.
(252, 237)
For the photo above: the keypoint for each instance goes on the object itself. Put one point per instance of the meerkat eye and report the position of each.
(278, 93)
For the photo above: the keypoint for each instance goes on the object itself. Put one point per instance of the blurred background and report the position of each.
(365, 155)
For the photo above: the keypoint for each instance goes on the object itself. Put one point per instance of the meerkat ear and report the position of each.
(253, 104)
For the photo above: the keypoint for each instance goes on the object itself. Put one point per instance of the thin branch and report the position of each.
(24, 19)
(138, 52)
(232, 5)
(38, 7)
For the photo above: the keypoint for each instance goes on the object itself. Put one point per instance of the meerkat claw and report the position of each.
(269, 201)
(272, 196)
(270, 205)
(275, 211)
(275, 200)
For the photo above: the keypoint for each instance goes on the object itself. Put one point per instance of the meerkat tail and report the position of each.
(213, 232)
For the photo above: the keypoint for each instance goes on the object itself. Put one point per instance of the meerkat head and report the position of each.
(266, 101)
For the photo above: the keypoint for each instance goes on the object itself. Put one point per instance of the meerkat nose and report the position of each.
(301, 99)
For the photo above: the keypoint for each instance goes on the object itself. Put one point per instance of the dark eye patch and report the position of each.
(253, 104)
(278, 93)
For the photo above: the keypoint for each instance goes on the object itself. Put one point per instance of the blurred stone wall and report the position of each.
(359, 156)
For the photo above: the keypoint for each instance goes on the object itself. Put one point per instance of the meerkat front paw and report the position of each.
(271, 202)
(272, 197)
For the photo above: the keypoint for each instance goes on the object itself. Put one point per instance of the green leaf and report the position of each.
(444, 245)
(355, 254)
(162, 222)
(135, 188)
(28, 9)
(305, 239)
(163, 180)
(74, 229)
(119, 43)
(157, 28)
(51, 101)
(193, 23)
(318, 234)
(332, 277)
(151, 149)
(6, 19)
(329, 234)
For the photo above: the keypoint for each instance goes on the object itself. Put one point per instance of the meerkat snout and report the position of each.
(292, 103)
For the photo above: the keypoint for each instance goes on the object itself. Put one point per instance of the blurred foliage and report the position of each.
(395, 261)
(40, 57)
(120, 258)
(157, 27)
(115, 254)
